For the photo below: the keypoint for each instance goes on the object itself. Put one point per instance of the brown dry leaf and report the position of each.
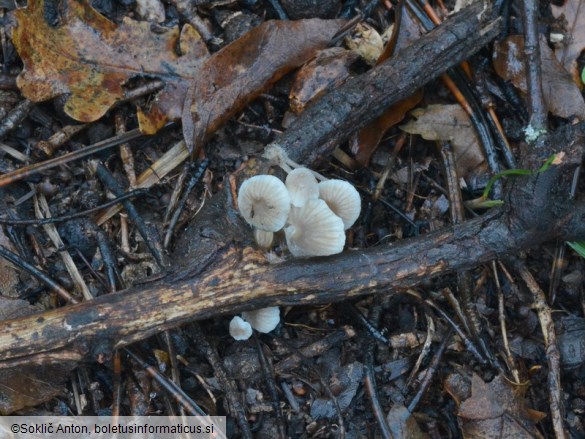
(405, 32)
(14, 308)
(403, 425)
(227, 81)
(370, 136)
(573, 11)
(561, 95)
(329, 69)
(90, 58)
(8, 273)
(497, 410)
(450, 123)
(29, 385)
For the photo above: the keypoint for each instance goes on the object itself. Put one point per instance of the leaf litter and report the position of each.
(90, 59)
(572, 12)
(561, 95)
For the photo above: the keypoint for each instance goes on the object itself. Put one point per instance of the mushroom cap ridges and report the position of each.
(302, 186)
(314, 230)
(264, 202)
(343, 199)
(263, 320)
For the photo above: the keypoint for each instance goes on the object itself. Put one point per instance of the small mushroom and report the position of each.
(302, 186)
(263, 239)
(264, 202)
(343, 199)
(314, 230)
(263, 320)
(240, 329)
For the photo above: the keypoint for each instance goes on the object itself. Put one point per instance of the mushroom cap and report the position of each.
(343, 199)
(240, 329)
(263, 320)
(314, 230)
(264, 202)
(302, 186)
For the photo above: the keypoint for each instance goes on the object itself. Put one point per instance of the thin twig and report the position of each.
(27, 171)
(370, 376)
(552, 354)
(151, 239)
(538, 113)
(84, 213)
(229, 387)
(268, 372)
(19, 262)
(178, 394)
(42, 210)
(502, 316)
(14, 117)
(430, 371)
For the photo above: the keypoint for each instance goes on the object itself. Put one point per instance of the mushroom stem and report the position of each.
(276, 154)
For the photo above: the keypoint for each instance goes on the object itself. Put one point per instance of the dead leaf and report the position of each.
(14, 308)
(8, 274)
(403, 425)
(227, 81)
(573, 12)
(366, 42)
(497, 410)
(370, 136)
(90, 58)
(450, 123)
(561, 95)
(31, 384)
(405, 32)
(329, 69)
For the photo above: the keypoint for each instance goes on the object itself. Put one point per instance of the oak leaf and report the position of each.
(498, 410)
(89, 59)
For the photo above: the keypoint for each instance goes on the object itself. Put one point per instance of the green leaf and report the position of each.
(583, 75)
(499, 175)
(579, 247)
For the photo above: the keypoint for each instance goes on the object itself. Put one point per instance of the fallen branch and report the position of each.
(238, 279)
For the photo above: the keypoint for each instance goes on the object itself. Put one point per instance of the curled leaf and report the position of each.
(561, 95)
(231, 78)
(89, 58)
(450, 123)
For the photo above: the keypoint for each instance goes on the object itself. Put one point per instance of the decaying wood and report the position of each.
(237, 279)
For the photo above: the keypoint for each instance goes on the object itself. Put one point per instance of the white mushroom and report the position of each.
(264, 202)
(263, 239)
(343, 199)
(240, 329)
(302, 186)
(263, 320)
(314, 230)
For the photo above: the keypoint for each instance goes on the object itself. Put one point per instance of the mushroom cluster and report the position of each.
(314, 215)
(262, 320)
